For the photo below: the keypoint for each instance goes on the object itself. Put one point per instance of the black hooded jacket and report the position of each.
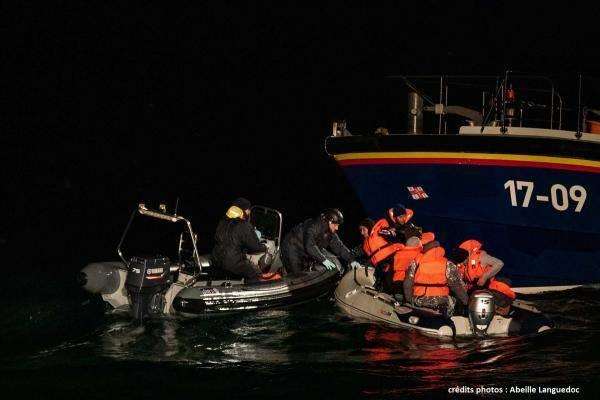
(234, 239)
(312, 235)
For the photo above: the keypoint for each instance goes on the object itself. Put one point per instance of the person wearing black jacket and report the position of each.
(307, 242)
(235, 237)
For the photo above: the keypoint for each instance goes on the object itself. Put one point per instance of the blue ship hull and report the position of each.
(542, 220)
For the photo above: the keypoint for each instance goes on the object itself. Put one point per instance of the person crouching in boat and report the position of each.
(431, 278)
(385, 239)
(379, 247)
(307, 243)
(402, 260)
(479, 270)
(235, 237)
(399, 223)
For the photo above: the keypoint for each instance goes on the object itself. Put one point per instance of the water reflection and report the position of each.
(316, 339)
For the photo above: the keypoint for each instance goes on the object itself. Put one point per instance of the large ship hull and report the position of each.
(533, 202)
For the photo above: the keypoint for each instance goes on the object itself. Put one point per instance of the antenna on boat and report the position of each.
(578, 134)
(503, 116)
(488, 114)
(176, 205)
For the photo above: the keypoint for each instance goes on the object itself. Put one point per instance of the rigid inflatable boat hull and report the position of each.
(209, 297)
(291, 290)
(355, 296)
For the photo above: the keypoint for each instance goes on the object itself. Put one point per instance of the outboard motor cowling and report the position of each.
(148, 278)
(481, 311)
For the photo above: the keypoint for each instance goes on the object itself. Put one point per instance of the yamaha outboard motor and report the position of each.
(481, 311)
(147, 281)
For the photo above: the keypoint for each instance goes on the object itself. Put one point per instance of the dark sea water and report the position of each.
(61, 342)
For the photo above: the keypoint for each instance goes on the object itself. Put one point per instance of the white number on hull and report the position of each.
(579, 195)
(559, 195)
(513, 193)
(529, 187)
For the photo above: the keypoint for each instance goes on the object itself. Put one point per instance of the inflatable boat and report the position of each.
(356, 296)
(187, 283)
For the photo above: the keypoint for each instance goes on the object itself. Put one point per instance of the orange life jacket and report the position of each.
(430, 278)
(502, 287)
(402, 260)
(475, 270)
(376, 247)
(427, 237)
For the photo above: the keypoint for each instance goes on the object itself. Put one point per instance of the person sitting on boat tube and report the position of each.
(307, 243)
(431, 278)
(235, 237)
(385, 239)
(380, 246)
(478, 270)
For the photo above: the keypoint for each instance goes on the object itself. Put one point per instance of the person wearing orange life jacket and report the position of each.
(400, 225)
(386, 237)
(479, 269)
(431, 278)
(403, 258)
(379, 247)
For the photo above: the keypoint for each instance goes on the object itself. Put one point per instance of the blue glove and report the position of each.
(329, 265)
(355, 264)
(258, 234)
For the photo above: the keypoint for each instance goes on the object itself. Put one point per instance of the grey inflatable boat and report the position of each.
(149, 283)
(356, 296)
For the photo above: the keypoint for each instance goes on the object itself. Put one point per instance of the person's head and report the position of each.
(471, 245)
(400, 214)
(244, 205)
(458, 255)
(413, 241)
(334, 218)
(365, 226)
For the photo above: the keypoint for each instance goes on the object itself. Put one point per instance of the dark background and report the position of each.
(105, 106)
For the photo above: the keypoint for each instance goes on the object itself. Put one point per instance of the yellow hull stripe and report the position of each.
(468, 156)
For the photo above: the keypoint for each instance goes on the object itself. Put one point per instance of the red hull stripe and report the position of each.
(467, 161)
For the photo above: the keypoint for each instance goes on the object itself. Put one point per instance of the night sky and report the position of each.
(107, 105)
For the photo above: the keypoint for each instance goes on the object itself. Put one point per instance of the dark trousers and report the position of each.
(243, 269)
(292, 257)
(387, 283)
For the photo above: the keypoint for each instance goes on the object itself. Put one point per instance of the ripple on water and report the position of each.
(316, 341)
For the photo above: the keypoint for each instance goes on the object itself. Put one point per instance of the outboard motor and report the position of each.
(147, 281)
(481, 311)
